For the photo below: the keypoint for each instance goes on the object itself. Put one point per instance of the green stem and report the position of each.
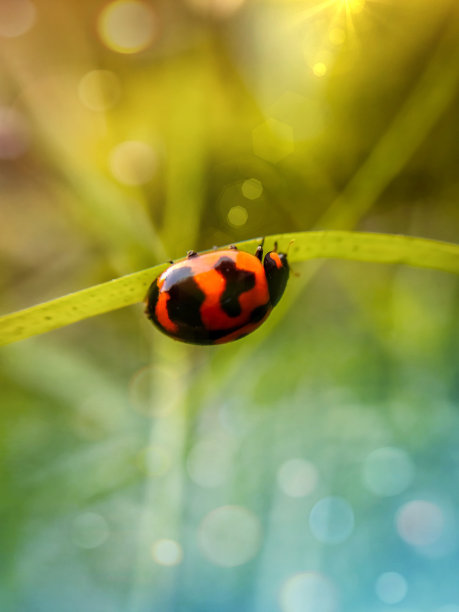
(130, 289)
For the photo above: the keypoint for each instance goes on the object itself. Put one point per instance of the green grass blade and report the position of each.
(77, 306)
(130, 289)
(377, 248)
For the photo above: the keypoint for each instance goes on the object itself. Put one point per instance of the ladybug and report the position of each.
(218, 296)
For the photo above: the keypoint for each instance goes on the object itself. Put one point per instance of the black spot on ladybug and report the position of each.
(258, 313)
(152, 298)
(185, 299)
(236, 282)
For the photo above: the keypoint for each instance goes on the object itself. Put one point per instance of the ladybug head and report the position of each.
(276, 271)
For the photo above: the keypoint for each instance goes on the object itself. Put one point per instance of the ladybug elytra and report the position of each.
(218, 296)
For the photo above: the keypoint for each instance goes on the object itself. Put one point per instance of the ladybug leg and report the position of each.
(233, 247)
(191, 254)
(275, 247)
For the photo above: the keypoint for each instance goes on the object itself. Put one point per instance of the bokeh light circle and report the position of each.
(308, 592)
(420, 523)
(127, 26)
(90, 530)
(14, 133)
(133, 162)
(331, 520)
(252, 189)
(230, 536)
(319, 69)
(16, 17)
(297, 477)
(388, 471)
(391, 587)
(99, 90)
(237, 216)
(167, 552)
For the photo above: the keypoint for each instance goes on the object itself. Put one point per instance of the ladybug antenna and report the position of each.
(289, 245)
(297, 274)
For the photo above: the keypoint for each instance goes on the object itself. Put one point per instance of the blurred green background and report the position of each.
(310, 467)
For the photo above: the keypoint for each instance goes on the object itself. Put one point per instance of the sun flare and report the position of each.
(353, 6)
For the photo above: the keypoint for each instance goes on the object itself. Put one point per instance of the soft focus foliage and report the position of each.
(312, 467)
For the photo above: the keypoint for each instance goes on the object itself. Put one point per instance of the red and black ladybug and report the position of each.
(217, 297)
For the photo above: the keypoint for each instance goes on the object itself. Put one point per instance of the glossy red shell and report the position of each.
(211, 298)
